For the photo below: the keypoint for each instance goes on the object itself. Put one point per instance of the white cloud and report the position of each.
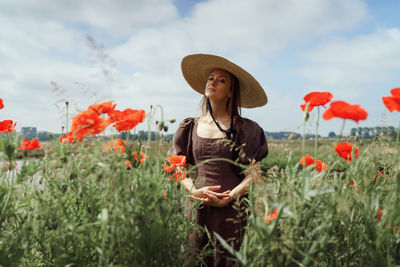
(155, 49)
(355, 65)
(117, 18)
(45, 41)
(245, 31)
(267, 26)
(126, 16)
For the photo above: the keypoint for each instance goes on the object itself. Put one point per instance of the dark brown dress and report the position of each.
(228, 221)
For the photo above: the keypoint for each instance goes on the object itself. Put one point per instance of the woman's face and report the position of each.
(218, 86)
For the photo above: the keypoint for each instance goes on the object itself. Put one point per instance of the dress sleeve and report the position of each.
(182, 140)
(254, 145)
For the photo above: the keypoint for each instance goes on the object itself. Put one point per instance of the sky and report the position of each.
(129, 51)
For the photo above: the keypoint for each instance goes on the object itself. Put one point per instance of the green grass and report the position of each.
(80, 206)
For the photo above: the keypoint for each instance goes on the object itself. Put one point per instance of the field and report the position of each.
(79, 205)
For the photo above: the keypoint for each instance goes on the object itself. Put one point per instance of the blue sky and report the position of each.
(350, 48)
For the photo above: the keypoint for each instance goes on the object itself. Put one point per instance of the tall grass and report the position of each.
(80, 206)
(346, 217)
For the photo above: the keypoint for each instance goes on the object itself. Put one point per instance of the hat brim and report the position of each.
(197, 67)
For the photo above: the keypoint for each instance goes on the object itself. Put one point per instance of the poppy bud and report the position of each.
(156, 122)
(172, 120)
(306, 116)
(306, 112)
(165, 128)
(103, 216)
(161, 125)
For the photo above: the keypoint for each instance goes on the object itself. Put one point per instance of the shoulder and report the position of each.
(187, 122)
(246, 124)
(252, 141)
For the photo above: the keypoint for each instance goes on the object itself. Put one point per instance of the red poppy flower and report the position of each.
(272, 216)
(353, 183)
(178, 176)
(395, 91)
(174, 161)
(344, 150)
(127, 119)
(142, 157)
(29, 145)
(7, 126)
(69, 138)
(7, 165)
(128, 163)
(379, 214)
(392, 102)
(316, 99)
(88, 123)
(308, 160)
(344, 110)
(1, 103)
(105, 107)
(116, 144)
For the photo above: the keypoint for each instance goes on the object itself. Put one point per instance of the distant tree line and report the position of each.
(371, 132)
(143, 135)
(47, 136)
(282, 135)
(362, 132)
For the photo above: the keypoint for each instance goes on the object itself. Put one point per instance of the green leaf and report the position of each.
(230, 249)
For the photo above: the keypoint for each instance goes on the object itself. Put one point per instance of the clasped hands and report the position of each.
(208, 196)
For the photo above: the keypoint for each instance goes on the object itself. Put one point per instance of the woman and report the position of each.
(219, 185)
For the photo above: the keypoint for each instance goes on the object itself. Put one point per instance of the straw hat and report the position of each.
(197, 67)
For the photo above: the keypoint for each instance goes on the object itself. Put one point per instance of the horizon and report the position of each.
(168, 134)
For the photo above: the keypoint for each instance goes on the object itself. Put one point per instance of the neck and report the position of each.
(219, 111)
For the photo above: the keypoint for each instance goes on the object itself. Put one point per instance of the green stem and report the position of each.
(103, 242)
(67, 105)
(303, 140)
(316, 136)
(149, 120)
(306, 114)
(127, 136)
(342, 130)
(398, 134)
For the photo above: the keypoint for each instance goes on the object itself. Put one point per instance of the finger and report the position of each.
(215, 202)
(226, 192)
(201, 199)
(196, 197)
(200, 195)
(212, 197)
(220, 195)
(213, 188)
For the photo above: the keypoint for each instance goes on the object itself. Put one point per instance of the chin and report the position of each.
(210, 96)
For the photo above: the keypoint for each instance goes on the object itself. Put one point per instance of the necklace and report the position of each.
(231, 132)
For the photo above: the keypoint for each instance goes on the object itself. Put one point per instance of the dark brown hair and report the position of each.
(230, 106)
